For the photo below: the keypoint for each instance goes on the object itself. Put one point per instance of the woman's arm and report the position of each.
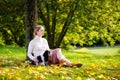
(30, 48)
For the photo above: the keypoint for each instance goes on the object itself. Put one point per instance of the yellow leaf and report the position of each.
(63, 77)
(101, 76)
(78, 78)
(10, 76)
(39, 68)
(18, 78)
(92, 73)
(31, 70)
(115, 65)
(42, 76)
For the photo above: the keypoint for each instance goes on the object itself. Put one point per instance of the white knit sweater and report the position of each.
(37, 46)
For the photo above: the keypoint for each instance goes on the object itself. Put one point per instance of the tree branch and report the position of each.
(44, 21)
(53, 20)
(67, 23)
(47, 9)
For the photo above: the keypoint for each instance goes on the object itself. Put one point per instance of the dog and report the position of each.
(43, 59)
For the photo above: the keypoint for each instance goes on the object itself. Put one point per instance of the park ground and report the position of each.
(99, 63)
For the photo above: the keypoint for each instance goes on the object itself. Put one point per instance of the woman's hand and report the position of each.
(35, 60)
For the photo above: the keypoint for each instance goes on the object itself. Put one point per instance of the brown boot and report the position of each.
(72, 65)
(77, 65)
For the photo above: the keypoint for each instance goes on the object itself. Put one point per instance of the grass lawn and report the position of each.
(98, 64)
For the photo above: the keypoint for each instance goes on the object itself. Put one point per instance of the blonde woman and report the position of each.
(38, 47)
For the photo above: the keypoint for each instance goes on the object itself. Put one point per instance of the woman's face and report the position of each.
(40, 32)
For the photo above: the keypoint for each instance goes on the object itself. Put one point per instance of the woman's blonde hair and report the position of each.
(36, 29)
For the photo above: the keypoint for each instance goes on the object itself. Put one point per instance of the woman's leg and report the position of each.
(61, 57)
(56, 57)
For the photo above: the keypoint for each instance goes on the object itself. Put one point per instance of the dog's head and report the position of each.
(41, 60)
(46, 55)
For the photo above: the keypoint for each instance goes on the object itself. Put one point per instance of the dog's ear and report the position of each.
(39, 58)
(46, 53)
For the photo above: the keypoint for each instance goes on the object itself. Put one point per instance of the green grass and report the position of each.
(98, 64)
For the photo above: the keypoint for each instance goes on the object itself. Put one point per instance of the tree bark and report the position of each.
(31, 19)
(35, 18)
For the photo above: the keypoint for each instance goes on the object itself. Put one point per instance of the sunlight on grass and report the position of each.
(81, 50)
(99, 50)
(95, 66)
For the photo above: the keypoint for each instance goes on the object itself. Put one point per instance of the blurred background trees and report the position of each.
(12, 20)
(68, 23)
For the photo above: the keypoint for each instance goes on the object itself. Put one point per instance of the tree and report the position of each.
(31, 19)
(52, 10)
(95, 23)
(12, 30)
(86, 22)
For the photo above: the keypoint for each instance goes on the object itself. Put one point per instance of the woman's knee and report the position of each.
(58, 49)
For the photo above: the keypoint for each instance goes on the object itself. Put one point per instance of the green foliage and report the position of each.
(94, 22)
(12, 19)
(1, 39)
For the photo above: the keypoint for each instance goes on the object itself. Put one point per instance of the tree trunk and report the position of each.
(31, 19)
(35, 18)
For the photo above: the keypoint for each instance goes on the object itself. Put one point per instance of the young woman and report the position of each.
(38, 47)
